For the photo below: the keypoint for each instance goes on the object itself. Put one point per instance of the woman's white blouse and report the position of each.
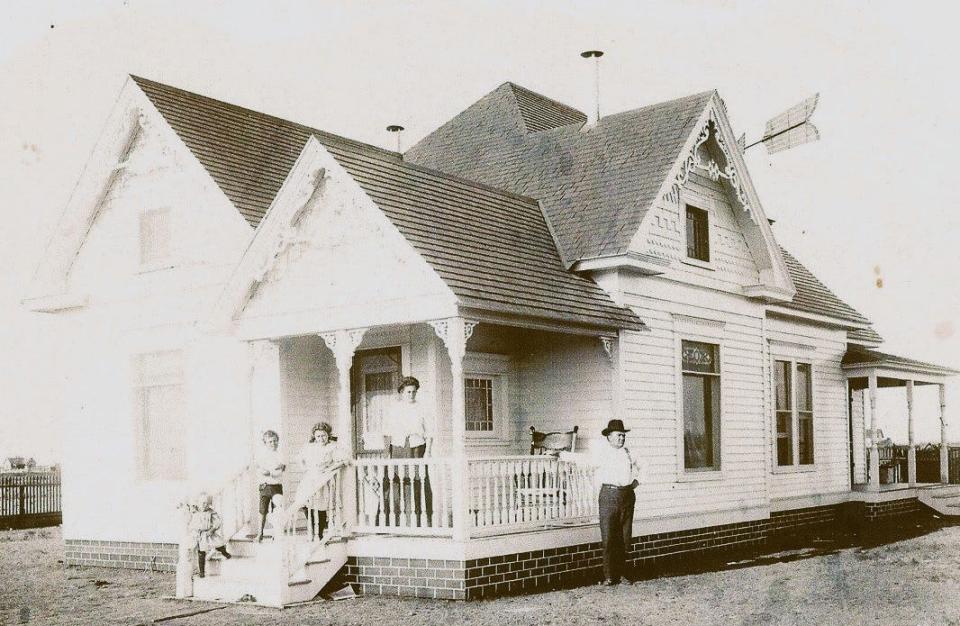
(407, 425)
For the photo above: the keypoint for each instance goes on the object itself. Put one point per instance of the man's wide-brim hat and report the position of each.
(614, 426)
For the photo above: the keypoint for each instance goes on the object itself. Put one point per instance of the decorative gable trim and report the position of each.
(133, 117)
(775, 282)
(279, 239)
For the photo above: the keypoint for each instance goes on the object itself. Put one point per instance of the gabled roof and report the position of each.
(814, 297)
(492, 248)
(542, 113)
(864, 335)
(596, 183)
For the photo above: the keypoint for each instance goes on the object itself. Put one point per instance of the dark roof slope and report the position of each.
(541, 113)
(865, 335)
(595, 183)
(857, 357)
(493, 249)
(813, 296)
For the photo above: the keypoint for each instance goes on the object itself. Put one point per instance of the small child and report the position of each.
(269, 468)
(206, 529)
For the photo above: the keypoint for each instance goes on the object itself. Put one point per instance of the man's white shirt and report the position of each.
(615, 466)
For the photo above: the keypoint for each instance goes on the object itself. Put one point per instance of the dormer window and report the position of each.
(155, 238)
(698, 234)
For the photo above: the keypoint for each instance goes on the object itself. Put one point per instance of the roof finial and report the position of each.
(396, 128)
(595, 55)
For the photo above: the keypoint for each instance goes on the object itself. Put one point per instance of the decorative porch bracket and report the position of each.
(455, 332)
(607, 343)
(343, 344)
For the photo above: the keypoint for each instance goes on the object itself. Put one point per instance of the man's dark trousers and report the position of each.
(616, 528)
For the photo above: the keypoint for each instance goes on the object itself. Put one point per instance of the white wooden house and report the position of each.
(227, 272)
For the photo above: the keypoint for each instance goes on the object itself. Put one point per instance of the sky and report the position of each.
(870, 208)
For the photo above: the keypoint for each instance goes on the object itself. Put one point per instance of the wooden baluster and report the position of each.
(502, 494)
(420, 495)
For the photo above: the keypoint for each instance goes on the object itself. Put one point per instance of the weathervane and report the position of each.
(788, 130)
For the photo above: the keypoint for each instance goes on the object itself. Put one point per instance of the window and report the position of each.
(485, 395)
(160, 416)
(698, 234)
(478, 394)
(794, 412)
(700, 365)
(155, 237)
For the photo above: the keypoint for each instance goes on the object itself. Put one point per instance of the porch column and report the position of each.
(874, 451)
(944, 450)
(455, 332)
(343, 344)
(911, 445)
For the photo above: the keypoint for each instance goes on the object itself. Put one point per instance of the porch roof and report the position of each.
(494, 249)
(891, 370)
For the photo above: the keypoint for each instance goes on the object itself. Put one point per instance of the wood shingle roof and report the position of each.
(595, 183)
(492, 248)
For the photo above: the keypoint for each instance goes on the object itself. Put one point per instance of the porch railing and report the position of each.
(326, 494)
(513, 493)
(505, 495)
(404, 496)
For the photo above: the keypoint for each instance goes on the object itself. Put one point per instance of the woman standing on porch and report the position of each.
(406, 438)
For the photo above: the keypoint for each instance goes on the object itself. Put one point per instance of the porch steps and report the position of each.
(944, 500)
(255, 571)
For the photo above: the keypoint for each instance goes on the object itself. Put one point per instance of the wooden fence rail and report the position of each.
(29, 499)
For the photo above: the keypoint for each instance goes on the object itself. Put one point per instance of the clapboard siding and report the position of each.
(650, 376)
(732, 263)
(823, 348)
(566, 381)
(130, 311)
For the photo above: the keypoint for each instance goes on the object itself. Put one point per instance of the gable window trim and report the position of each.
(793, 362)
(155, 240)
(709, 331)
(481, 369)
(702, 214)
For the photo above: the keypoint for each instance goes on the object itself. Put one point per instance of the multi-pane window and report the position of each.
(700, 365)
(794, 412)
(154, 236)
(160, 416)
(478, 395)
(698, 234)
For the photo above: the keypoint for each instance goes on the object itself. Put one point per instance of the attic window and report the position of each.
(698, 234)
(154, 237)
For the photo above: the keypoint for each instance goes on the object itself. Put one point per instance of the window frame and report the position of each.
(146, 468)
(496, 368)
(165, 258)
(793, 360)
(702, 330)
(707, 240)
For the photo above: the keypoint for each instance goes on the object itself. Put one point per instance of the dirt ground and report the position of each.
(910, 581)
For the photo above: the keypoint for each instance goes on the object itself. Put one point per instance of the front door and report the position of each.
(373, 388)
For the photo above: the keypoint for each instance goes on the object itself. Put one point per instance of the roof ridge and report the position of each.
(674, 101)
(331, 136)
(393, 156)
(539, 112)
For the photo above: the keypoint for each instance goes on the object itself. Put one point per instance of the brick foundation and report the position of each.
(125, 554)
(538, 569)
(513, 573)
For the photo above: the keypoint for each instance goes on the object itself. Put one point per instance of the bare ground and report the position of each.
(911, 581)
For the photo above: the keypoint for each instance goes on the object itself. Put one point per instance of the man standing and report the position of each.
(616, 473)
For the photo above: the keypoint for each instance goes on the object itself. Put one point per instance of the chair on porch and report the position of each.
(553, 443)
(540, 490)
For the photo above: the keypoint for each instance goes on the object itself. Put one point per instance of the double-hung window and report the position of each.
(793, 382)
(700, 368)
(160, 415)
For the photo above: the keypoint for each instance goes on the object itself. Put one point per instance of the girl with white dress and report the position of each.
(318, 457)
